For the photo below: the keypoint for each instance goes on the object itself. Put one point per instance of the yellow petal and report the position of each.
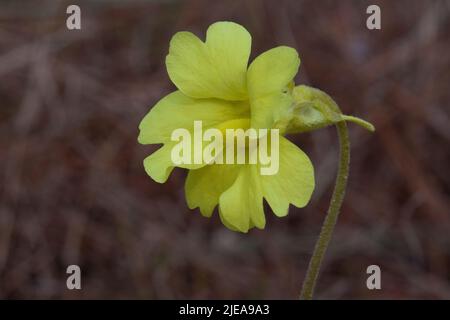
(294, 182)
(204, 186)
(241, 206)
(212, 69)
(268, 81)
(159, 164)
(177, 110)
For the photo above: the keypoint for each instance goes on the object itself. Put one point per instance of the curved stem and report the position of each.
(332, 214)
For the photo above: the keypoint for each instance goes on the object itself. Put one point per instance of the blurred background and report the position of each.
(73, 189)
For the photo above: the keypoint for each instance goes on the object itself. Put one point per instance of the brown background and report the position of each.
(73, 189)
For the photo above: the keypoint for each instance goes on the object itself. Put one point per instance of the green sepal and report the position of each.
(313, 109)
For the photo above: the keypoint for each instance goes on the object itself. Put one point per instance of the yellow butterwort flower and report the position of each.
(215, 86)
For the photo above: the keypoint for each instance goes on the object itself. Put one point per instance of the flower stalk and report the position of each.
(332, 215)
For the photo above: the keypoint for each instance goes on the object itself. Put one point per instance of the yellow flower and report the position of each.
(215, 86)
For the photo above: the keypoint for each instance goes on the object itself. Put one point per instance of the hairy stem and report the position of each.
(332, 214)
